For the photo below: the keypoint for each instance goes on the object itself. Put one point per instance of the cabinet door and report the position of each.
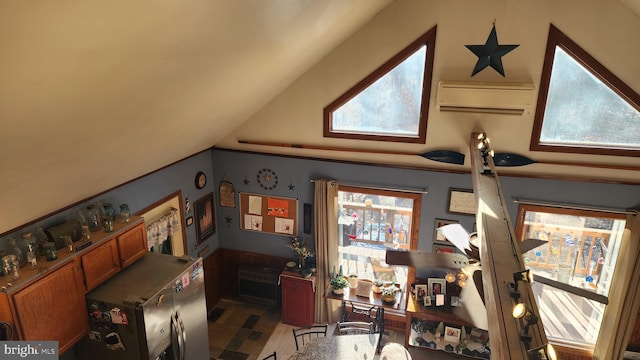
(132, 245)
(100, 263)
(53, 308)
(297, 301)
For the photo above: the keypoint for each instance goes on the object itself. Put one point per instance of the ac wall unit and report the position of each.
(483, 97)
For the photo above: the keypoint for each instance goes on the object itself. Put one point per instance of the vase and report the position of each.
(338, 291)
(301, 262)
(389, 298)
(353, 281)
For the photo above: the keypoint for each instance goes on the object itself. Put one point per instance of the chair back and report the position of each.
(355, 327)
(306, 334)
(269, 357)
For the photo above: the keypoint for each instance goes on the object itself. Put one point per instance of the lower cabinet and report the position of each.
(53, 308)
(298, 300)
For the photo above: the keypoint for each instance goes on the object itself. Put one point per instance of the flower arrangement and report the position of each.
(300, 247)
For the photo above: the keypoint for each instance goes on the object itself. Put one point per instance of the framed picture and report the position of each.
(438, 237)
(427, 300)
(451, 334)
(462, 201)
(447, 249)
(205, 218)
(436, 286)
(190, 221)
(421, 292)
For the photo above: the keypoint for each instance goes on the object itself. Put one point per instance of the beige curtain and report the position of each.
(325, 217)
(624, 296)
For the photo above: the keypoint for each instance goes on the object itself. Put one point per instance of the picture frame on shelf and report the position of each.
(438, 236)
(451, 335)
(205, 218)
(462, 201)
(436, 286)
(427, 301)
(421, 291)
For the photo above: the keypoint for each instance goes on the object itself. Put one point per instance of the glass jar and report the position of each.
(109, 213)
(125, 214)
(86, 233)
(94, 219)
(108, 224)
(11, 266)
(30, 244)
(82, 219)
(50, 251)
(17, 251)
(42, 239)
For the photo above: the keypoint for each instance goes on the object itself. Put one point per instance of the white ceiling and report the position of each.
(94, 93)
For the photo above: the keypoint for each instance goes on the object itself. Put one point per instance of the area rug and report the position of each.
(239, 331)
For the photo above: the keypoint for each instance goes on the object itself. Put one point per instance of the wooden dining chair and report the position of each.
(355, 327)
(269, 357)
(300, 335)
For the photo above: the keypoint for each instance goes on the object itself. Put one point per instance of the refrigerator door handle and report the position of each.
(176, 338)
(183, 335)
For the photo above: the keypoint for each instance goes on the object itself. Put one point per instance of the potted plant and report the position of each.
(338, 284)
(389, 294)
(376, 286)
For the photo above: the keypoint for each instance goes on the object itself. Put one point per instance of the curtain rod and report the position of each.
(416, 191)
(573, 206)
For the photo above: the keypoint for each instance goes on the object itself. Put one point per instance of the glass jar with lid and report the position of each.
(94, 218)
(50, 251)
(10, 267)
(109, 213)
(125, 214)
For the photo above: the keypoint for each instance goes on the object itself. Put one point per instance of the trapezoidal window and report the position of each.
(582, 106)
(392, 103)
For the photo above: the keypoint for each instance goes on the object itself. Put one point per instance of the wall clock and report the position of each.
(267, 179)
(201, 180)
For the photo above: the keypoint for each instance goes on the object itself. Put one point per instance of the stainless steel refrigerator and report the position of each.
(153, 309)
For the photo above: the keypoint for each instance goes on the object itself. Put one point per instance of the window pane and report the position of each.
(568, 319)
(582, 111)
(390, 106)
(581, 251)
(368, 225)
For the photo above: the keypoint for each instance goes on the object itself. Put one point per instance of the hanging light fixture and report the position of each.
(521, 311)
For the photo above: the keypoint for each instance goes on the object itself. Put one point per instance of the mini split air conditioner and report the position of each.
(482, 97)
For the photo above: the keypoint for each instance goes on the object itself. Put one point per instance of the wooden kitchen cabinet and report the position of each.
(298, 299)
(100, 263)
(53, 308)
(109, 257)
(132, 245)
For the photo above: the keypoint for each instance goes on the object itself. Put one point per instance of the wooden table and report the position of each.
(339, 347)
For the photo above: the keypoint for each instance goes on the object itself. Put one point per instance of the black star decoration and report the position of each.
(490, 54)
(291, 186)
(228, 219)
(246, 181)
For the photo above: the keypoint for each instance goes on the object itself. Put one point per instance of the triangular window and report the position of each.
(392, 103)
(582, 106)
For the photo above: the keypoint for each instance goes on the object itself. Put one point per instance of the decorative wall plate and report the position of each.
(267, 179)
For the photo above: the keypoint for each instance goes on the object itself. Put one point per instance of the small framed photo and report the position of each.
(439, 299)
(427, 300)
(462, 201)
(438, 237)
(451, 334)
(421, 292)
(436, 286)
(190, 221)
(205, 218)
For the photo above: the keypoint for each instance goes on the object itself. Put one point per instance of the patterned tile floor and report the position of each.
(243, 331)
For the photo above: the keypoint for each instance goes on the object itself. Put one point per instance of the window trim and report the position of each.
(558, 39)
(603, 299)
(415, 228)
(428, 39)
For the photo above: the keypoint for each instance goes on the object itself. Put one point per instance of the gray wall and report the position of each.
(236, 166)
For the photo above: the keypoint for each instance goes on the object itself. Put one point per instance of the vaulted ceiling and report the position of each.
(96, 93)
